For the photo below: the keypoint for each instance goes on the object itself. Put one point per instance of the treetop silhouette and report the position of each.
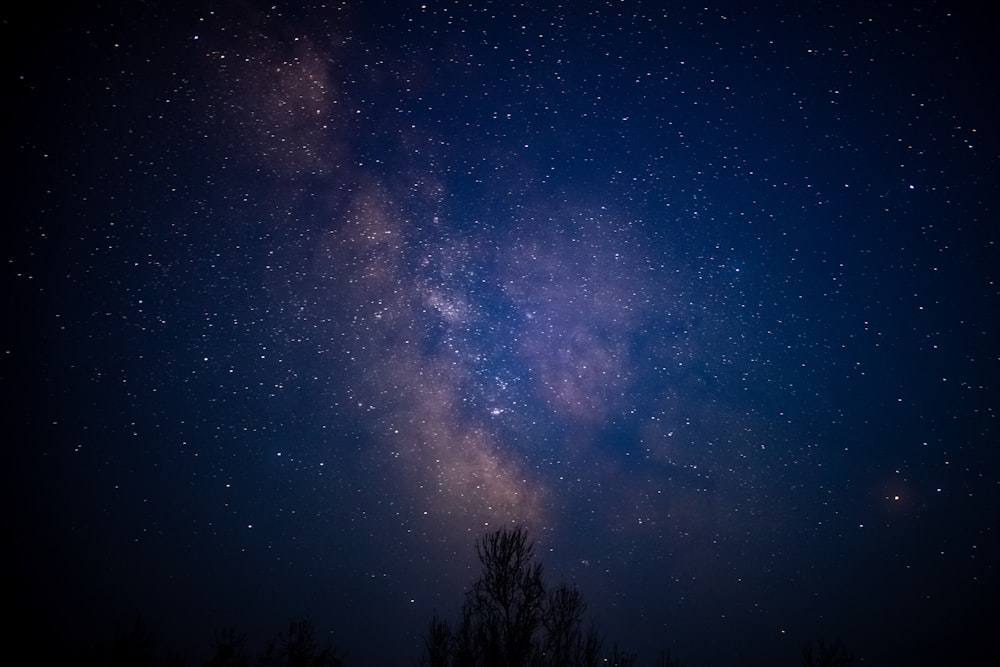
(511, 617)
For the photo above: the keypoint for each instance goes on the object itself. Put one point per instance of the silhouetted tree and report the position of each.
(589, 651)
(439, 643)
(562, 619)
(826, 655)
(505, 602)
(510, 618)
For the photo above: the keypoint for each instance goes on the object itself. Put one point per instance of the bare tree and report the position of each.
(505, 603)
(562, 620)
(510, 618)
(439, 644)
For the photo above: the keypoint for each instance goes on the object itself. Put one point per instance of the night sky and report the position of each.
(300, 301)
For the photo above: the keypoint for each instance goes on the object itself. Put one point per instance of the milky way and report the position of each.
(485, 355)
(310, 298)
